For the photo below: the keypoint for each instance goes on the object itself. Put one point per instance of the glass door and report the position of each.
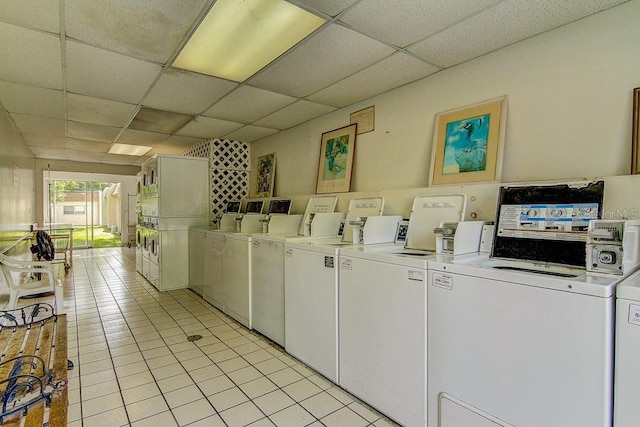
(91, 207)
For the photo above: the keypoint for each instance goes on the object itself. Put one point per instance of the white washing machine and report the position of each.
(197, 253)
(627, 364)
(267, 265)
(519, 348)
(236, 277)
(212, 282)
(267, 275)
(311, 292)
(382, 313)
(236, 269)
(520, 339)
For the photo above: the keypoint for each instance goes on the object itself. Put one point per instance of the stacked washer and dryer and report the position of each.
(526, 338)
(174, 198)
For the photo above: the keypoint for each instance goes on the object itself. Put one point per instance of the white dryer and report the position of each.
(153, 275)
(382, 313)
(311, 292)
(139, 243)
(145, 252)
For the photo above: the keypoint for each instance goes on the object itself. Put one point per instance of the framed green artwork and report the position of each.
(336, 160)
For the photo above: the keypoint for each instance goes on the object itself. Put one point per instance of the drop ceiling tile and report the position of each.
(91, 146)
(151, 30)
(32, 100)
(180, 143)
(49, 153)
(332, 54)
(186, 92)
(38, 140)
(331, 8)
(85, 156)
(98, 111)
(121, 159)
(39, 125)
(500, 26)
(151, 120)
(107, 75)
(36, 14)
(250, 133)
(205, 127)
(294, 114)
(247, 104)
(30, 57)
(140, 137)
(164, 150)
(407, 21)
(92, 132)
(392, 72)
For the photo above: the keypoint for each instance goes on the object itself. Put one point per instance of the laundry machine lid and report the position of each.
(427, 213)
(317, 204)
(361, 207)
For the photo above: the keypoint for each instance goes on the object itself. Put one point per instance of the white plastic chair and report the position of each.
(13, 269)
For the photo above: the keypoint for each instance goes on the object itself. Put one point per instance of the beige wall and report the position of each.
(17, 184)
(569, 115)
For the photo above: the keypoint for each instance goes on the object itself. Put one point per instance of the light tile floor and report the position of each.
(135, 367)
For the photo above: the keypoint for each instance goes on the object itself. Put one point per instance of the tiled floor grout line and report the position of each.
(125, 290)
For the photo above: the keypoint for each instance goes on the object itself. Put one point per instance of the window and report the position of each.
(73, 210)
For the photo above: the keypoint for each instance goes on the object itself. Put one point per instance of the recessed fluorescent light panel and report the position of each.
(237, 38)
(129, 150)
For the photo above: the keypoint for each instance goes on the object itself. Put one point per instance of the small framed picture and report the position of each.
(265, 175)
(468, 143)
(336, 160)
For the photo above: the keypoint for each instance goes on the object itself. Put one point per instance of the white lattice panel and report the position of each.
(227, 154)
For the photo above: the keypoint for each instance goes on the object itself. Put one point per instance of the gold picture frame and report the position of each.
(468, 143)
(336, 160)
(635, 132)
(265, 175)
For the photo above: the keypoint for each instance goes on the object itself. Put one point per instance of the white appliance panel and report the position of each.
(236, 277)
(213, 290)
(528, 355)
(139, 256)
(197, 250)
(382, 330)
(183, 186)
(173, 260)
(311, 329)
(627, 363)
(267, 287)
